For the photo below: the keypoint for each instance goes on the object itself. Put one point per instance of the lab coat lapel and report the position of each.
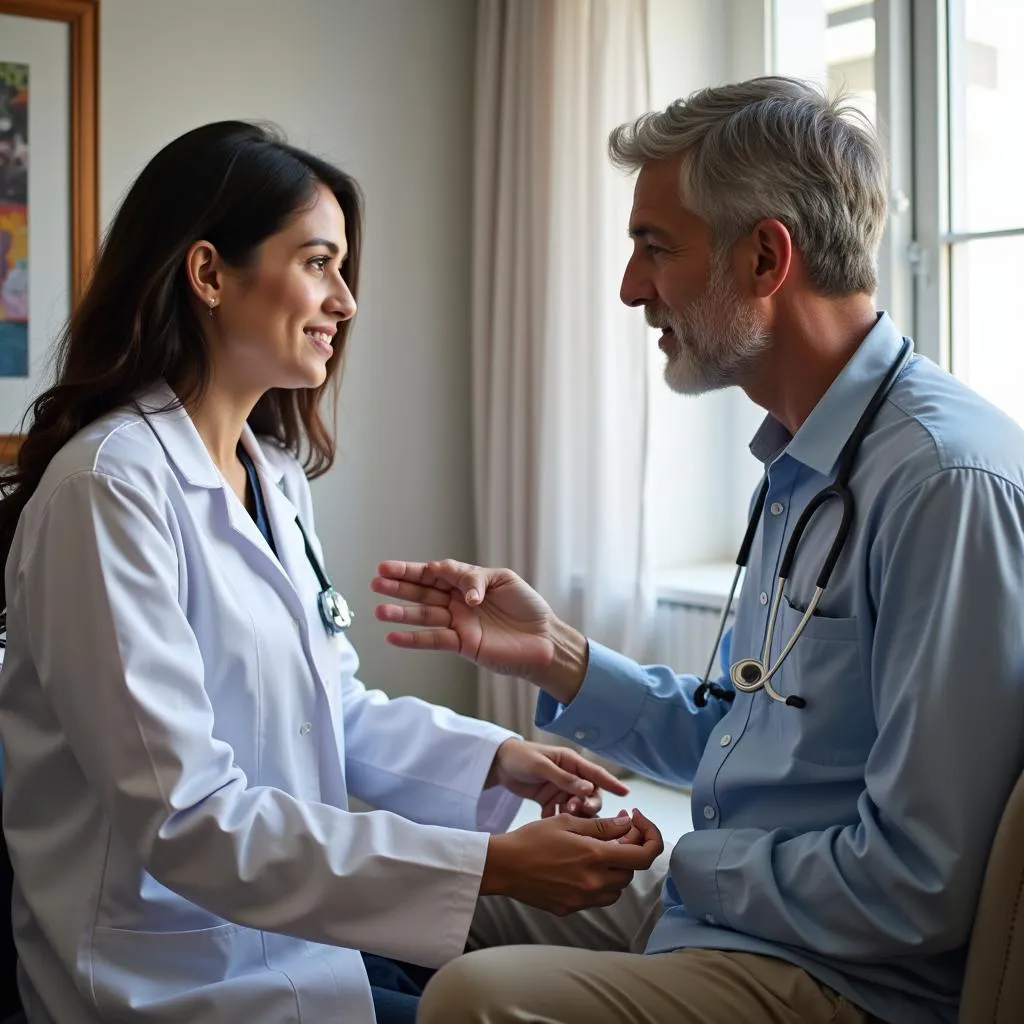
(185, 449)
(291, 552)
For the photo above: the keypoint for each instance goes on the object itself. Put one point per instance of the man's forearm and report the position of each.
(563, 678)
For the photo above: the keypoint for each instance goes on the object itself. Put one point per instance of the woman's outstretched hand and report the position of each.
(491, 617)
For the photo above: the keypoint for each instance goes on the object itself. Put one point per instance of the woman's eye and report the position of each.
(320, 262)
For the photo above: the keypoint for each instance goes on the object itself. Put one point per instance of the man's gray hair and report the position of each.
(775, 148)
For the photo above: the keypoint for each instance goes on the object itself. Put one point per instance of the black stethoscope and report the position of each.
(334, 609)
(750, 674)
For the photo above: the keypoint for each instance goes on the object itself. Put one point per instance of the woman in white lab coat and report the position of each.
(179, 709)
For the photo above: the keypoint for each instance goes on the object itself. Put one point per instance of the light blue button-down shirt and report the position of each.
(850, 837)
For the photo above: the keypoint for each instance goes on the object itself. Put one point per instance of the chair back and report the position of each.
(994, 982)
(10, 1004)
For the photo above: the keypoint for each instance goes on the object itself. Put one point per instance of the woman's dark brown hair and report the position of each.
(233, 184)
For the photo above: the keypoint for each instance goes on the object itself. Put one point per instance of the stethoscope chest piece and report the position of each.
(750, 674)
(334, 611)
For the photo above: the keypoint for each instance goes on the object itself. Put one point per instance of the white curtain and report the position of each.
(560, 367)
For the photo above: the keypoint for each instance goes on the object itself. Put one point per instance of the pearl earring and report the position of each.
(213, 303)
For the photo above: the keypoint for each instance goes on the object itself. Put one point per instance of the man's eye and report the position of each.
(653, 250)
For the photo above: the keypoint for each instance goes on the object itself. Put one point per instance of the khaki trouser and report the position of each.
(588, 968)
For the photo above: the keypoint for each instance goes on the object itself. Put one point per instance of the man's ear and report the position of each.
(768, 257)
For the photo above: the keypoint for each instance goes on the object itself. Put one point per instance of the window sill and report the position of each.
(703, 586)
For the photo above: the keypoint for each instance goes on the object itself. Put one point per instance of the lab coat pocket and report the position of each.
(837, 727)
(146, 970)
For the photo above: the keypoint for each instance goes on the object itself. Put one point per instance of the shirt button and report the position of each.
(763, 597)
(710, 918)
(725, 740)
(580, 734)
(709, 812)
(305, 728)
(776, 508)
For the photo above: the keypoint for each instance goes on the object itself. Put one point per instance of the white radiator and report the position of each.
(686, 622)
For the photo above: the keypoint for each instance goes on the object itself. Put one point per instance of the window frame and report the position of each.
(931, 250)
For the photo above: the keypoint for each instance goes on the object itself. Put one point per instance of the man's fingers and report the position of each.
(412, 592)
(469, 580)
(633, 837)
(413, 615)
(405, 572)
(647, 827)
(426, 640)
(639, 855)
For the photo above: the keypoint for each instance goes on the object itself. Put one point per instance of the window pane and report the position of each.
(831, 42)
(986, 96)
(987, 349)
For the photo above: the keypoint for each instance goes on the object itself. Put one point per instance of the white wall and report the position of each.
(384, 88)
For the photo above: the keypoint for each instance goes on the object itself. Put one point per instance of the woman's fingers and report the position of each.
(600, 777)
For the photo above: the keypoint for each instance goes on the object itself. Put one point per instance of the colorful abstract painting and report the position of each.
(13, 220)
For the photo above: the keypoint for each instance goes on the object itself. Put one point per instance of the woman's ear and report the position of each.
(203, 267)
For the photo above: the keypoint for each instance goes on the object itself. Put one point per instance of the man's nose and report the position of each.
(636, 289)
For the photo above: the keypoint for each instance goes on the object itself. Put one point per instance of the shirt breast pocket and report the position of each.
(825, 668)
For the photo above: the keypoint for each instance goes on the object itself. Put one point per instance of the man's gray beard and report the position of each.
(719, 339)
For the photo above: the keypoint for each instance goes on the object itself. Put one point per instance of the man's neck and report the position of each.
(811, 343)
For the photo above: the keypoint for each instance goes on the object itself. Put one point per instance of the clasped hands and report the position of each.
(570, 859)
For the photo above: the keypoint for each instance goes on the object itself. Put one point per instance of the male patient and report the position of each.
(840, 844)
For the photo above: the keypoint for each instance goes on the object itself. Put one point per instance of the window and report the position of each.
(984, 238)
(944, 82)
(829, 41)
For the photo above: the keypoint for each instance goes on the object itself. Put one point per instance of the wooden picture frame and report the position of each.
(82, 19)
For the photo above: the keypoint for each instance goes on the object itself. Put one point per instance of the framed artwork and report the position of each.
(49, 188)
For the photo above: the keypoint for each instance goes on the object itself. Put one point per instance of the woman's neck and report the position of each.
(219, 417)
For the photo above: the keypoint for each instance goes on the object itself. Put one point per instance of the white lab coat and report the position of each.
(181, 734)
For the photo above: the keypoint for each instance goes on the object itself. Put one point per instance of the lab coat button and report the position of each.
(725, 740)
(776, 508)
(709, 812)
(580, 734)
(763, 598)
(305, 728)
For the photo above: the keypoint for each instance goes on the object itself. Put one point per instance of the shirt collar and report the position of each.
(821, 436)
(185, 448)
